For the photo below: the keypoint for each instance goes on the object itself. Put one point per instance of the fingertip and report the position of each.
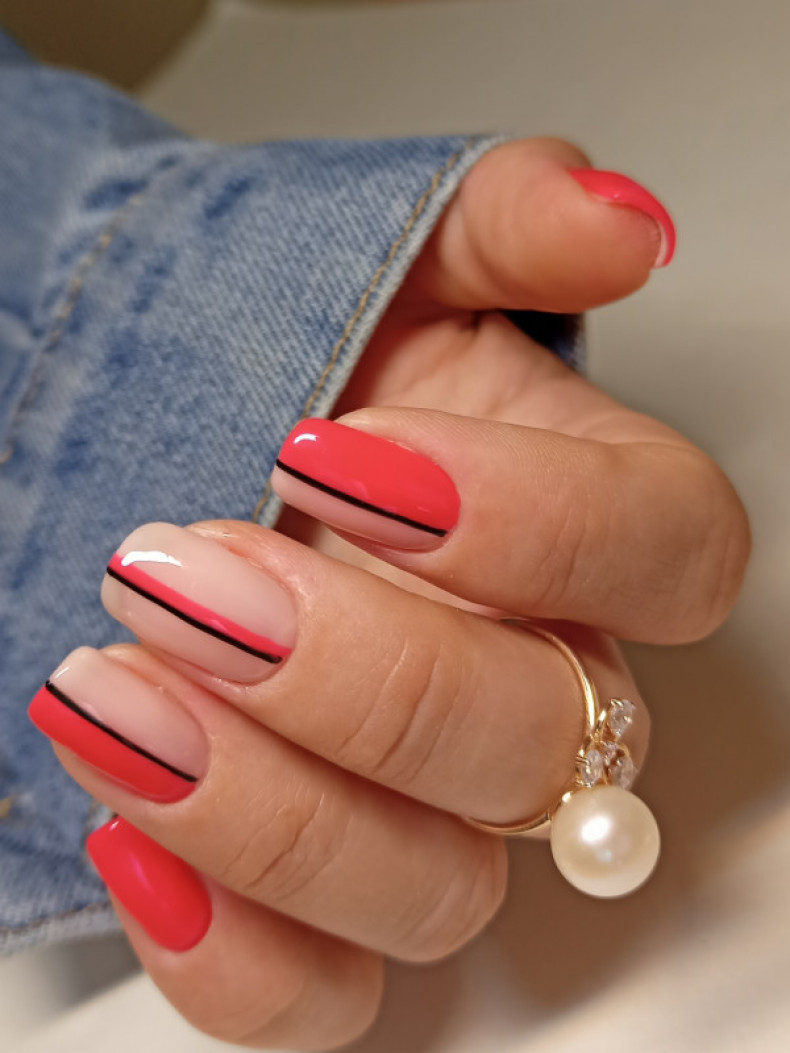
(262, 980)
(532, 229)
(617, 189)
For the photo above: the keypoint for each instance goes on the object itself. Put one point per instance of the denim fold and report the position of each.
(169, 309)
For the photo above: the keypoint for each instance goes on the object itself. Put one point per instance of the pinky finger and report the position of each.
(232, 968)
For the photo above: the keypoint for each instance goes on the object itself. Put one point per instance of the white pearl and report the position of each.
(605, 841)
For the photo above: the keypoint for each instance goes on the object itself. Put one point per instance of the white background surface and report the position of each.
(693, 98)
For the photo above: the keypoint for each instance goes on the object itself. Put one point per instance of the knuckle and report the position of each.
(559, 551)
(290, 849)
(681, 573)
(459, 910)
(408, 713)
(699, 566)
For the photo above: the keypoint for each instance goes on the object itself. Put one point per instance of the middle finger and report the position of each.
(622, 525)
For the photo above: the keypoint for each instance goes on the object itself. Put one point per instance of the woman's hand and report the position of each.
(307, 734)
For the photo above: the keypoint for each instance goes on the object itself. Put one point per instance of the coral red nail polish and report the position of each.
(620, 190)
(161, 891)
(366, 485)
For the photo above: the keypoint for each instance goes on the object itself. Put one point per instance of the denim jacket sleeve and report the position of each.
(169, 308)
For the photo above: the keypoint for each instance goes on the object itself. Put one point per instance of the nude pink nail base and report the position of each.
(195, 614)
(77, 709)
(136, 734)
(190, 596)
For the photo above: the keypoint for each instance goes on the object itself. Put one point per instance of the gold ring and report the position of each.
(604, 840)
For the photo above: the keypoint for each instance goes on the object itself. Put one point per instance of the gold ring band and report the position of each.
(604, 840)
(592, 713)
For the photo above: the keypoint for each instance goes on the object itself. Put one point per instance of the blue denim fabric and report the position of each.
(168, 310)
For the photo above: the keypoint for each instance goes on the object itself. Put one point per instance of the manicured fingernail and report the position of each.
(189, 596)
(620, 190)
(130, 730)
(160, 890)
(366, 485)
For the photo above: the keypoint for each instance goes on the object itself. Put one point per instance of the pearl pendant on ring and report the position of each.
(605, 840)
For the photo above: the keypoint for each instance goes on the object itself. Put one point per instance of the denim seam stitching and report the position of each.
(84, 267)
(382, 269)
(364, 299)
(74, 287)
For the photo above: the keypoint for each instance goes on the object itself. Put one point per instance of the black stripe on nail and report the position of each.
(72, 705)
(358, 502)
(218, 633)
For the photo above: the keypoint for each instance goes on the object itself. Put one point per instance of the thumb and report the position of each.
(534, 228)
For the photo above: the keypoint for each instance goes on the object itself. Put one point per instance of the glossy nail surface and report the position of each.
(366, 485)
(133, 732)
(188, 595)
(620, 190)
(162, 892)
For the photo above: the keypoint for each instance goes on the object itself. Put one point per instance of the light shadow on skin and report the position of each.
(419, 1004)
